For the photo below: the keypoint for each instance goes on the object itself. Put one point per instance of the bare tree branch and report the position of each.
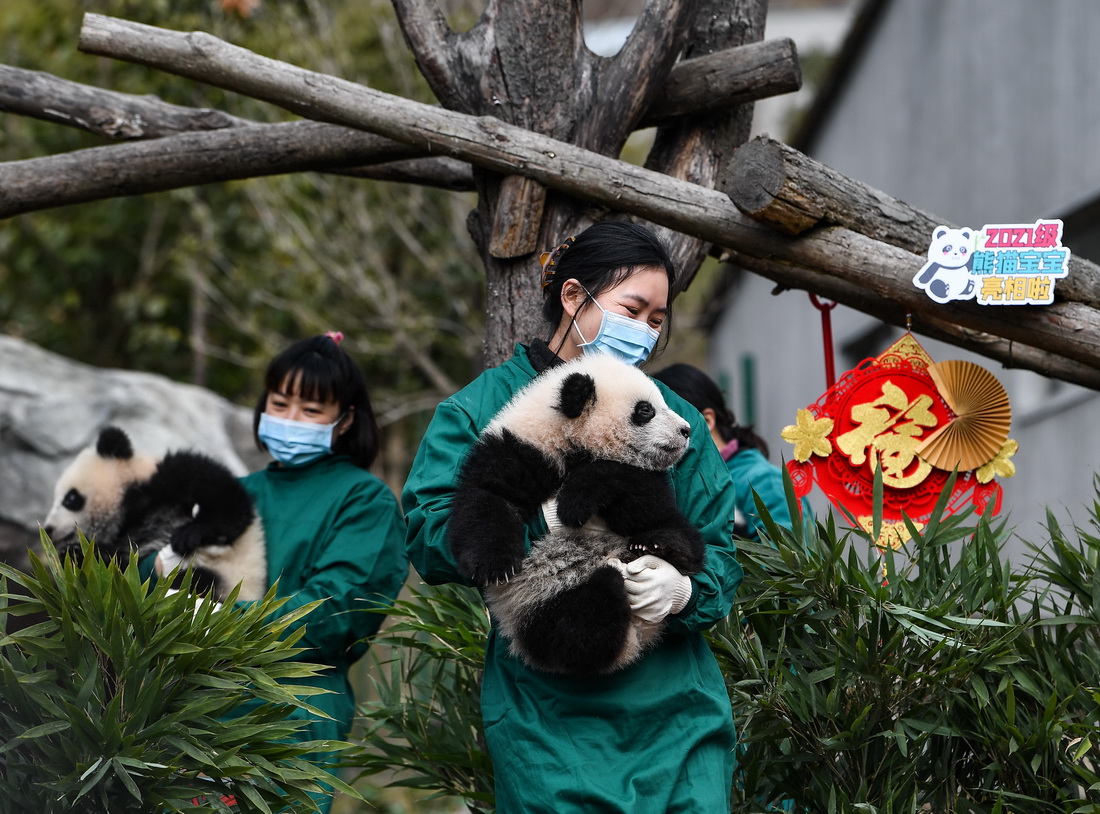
(106, 113)
(432, 42)
(629, 82)
(187, 159)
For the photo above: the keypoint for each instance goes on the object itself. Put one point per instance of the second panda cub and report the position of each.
(187, 506)
(596, 435)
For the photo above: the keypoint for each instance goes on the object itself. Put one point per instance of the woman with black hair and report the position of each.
(745, 452)
(333, 530)
(654, 737)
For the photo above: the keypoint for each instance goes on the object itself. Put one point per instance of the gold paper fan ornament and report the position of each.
(982, 417)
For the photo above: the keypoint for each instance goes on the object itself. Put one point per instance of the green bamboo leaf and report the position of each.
(92, 775)
(42, 730)
(127, 781)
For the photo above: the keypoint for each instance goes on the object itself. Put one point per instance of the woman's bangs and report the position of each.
(311, 382)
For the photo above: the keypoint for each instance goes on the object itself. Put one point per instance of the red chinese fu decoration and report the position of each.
(917, 421)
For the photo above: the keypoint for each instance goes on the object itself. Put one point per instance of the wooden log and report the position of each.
(187, 159)
(725, 79)
(731, 76)
(106, 113)
(775, 184)
(517, 216)
(1064, 329)
(1012, 355)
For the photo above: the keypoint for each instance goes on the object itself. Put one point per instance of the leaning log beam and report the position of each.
(729, 77)
(724, 79)
(939, 324)
(107, 113)
(877, 270)
(777, 185)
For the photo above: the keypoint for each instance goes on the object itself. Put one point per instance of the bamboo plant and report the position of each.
(114, 694)
(936, 678)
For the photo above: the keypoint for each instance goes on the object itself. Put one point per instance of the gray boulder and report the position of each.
(52, 407)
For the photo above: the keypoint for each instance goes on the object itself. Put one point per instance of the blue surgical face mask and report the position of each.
(295, 443)
(628, 339)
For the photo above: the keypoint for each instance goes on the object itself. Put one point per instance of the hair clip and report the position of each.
(335, 336)
(548, 260)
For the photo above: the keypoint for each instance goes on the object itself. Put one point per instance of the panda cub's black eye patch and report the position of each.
(643, 413)
(73, 500)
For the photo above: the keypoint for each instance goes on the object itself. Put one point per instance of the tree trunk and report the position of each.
(695, 148)
(526, 64)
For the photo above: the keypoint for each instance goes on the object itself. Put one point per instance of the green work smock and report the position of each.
(655, 737)
(751, 471)
(333, 531)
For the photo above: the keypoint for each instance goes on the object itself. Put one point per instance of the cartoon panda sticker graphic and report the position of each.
(946, 275)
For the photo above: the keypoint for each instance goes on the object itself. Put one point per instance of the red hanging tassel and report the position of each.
(826, 337)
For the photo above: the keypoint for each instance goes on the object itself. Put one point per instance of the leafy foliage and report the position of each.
(937, 677)
(425, 722)
(205, 284)
(112, 698)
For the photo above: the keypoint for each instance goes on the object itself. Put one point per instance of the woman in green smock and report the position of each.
(333, 530)
(657, 736)
(745, 452)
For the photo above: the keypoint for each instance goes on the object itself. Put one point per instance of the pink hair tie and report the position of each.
(335, 336)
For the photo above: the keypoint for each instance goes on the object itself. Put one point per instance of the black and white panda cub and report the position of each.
(187, 506)
(596, 434)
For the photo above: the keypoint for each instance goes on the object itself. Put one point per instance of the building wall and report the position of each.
(976, 110)
(981, 111)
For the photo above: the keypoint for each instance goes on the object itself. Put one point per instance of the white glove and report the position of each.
(166, 560)
(550, 515)
(654, 588)
(553, 523)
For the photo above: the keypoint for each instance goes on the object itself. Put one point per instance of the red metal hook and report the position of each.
(826, 337)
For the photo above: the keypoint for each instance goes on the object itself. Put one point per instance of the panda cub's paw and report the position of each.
(682, 548)
(486, 568)
(187, 539)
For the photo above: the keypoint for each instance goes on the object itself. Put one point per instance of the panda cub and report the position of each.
(187, 506)
(596, 435)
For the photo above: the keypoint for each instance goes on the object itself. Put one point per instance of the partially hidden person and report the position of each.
(745, 452)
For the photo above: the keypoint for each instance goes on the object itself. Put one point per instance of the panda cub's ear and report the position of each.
(577, 391)
(114, 443)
